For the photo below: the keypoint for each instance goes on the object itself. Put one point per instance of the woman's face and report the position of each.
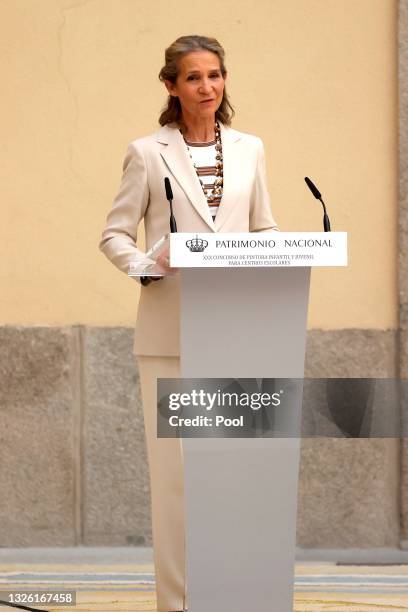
(199, 85)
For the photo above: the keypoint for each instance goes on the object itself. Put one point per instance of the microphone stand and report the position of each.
(169, 196)
(146, 280)
(318, 196)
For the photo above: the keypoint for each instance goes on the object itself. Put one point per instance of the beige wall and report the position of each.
(316, 79)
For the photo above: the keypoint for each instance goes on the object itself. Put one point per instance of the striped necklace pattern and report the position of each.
(208, 163)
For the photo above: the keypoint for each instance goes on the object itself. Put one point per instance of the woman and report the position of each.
(219, 184)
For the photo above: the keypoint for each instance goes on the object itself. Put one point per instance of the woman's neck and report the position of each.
(198, 130)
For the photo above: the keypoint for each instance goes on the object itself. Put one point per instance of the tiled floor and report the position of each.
(104, 584)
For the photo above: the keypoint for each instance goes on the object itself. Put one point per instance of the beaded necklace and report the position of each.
(209, 193)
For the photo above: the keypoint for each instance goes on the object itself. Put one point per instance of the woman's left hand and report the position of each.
(163, 262)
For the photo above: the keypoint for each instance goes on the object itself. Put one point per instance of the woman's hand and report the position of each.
(163, 263)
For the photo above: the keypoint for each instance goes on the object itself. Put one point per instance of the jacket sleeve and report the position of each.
(260, 214)
(118, 241)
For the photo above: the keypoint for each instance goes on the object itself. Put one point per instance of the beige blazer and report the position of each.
(245, 207)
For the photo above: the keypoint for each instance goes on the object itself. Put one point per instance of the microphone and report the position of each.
(318, 196)
(169, 196)
(167, 186)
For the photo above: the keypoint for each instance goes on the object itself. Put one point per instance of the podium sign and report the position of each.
(271, 249)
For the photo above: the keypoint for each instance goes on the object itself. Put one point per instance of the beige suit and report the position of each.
(244, 207)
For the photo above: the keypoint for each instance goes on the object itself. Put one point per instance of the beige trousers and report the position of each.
(165, 457)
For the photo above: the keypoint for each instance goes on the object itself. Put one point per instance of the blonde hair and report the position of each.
(171, 113)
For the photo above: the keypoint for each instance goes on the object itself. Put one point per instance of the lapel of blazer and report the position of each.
(177, 159)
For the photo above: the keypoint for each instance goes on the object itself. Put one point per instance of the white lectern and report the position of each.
(242, 321)
(241, 494)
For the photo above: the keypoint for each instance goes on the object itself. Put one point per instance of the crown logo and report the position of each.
(197, 245)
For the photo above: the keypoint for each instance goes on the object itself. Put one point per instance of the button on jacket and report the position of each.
(244, 207)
